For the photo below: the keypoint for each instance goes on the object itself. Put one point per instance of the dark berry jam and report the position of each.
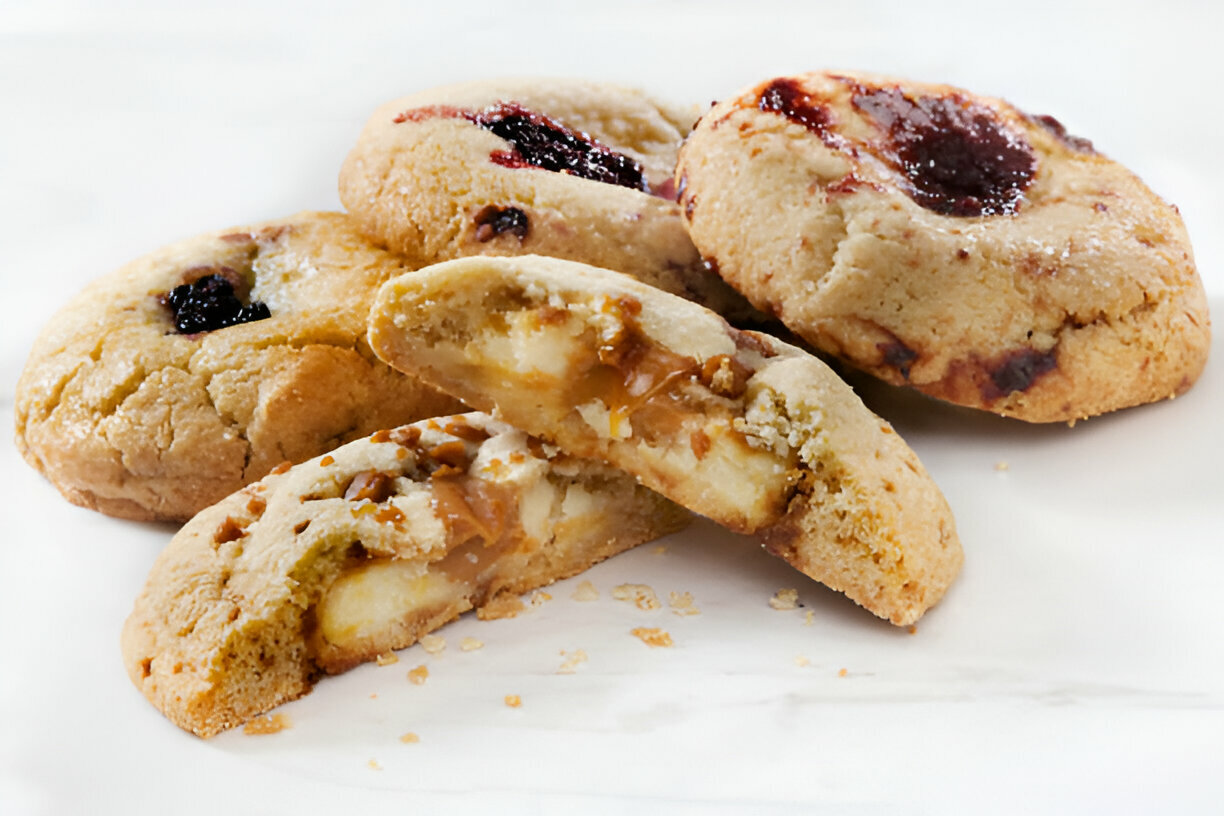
(1059, 132)
(896, 354)
(785, 96)
(1017, 371)
(492, 220)
(541, 142)
(958, 157)
(209, 303)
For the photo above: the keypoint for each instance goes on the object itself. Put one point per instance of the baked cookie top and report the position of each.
(168, 384)
(737, 426)
(566, 168)
(947, 241)
(321, 566)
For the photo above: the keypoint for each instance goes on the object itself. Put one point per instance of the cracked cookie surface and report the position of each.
(174, 381)
(363, 550)
(947, 242)
(564, 168)
(735, 425)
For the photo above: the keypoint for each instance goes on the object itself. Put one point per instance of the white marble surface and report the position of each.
(1075, 667)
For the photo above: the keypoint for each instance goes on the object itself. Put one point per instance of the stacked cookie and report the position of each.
(550, 252)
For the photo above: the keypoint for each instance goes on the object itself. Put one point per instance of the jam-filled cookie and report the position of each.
(337, 560)
(565, 168)
(948, 242)
(171, 383)
(737, 426)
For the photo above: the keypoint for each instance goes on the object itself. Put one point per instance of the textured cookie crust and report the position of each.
(737, 426)
(127, 416)
(347, 556)
(430, 179)
(948, 242)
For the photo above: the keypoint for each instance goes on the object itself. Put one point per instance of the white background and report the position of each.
(1075, 667)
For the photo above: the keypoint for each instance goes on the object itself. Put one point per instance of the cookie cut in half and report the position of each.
(737, 426)
(332, 562)
(558, 167)
(949, 242)
(167, 385)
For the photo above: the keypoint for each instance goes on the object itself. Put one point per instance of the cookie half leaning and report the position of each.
(738, 426)
(558, 167)
(949, 242)
(363, 550)
(172, 382)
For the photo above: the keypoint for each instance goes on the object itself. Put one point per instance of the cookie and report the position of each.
(947, 242)
(337, 560)
(737, 426)
(564, 168)
(171, 383)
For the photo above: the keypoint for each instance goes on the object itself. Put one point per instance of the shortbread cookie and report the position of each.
(948, 242)
(363, 550)
(738, 426)
(169, 384)
(565, 168)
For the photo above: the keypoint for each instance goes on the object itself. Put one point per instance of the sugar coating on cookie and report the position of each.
(738, 426)
(565, 168)
(165, 386)
(347, 556)
(949, 242)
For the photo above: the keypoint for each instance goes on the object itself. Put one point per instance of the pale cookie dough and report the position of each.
(363, 550)
(948, 242)
(565, 168)
(738, 426)
(131, 414)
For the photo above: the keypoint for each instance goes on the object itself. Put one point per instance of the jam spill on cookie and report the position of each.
(492, 220)
(1017, 371)
(209, 303)
(958, 156)
(1056, 128)
(786, 97)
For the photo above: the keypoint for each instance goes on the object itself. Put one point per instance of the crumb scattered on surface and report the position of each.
(267, 724)
(660, 550)
(808, 617)
(387, 658)
(505, 605)
(785, 599)
(410, 736)
(842, 672)
(419, 675)
(800, 660)
(373, 695)
(682, 604)
(641, 595)
(374, 766)
(913, 630)
(654, 638)
(470, 644)
(586, 591)
(1001, 464)
(513, 700)
(539, 597)
(433, 643)
(572, 661)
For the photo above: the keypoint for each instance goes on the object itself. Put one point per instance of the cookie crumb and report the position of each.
(433, 644)
(913, 630)
(327, 460)
(641, 595)
(654, 638)
(374, 766)
(785, 599)
(800, 660)
(419, 675)
(1001, 465)
(409, 737)
(387, 658)
(470, 644)
(505, 605)
(808, 617)
(539, 597)
(660, 550)
(586, 591)
(373, 695)
(842, 672)
(267, 724)
(513, 700)
(681, 603)
(572, 661)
